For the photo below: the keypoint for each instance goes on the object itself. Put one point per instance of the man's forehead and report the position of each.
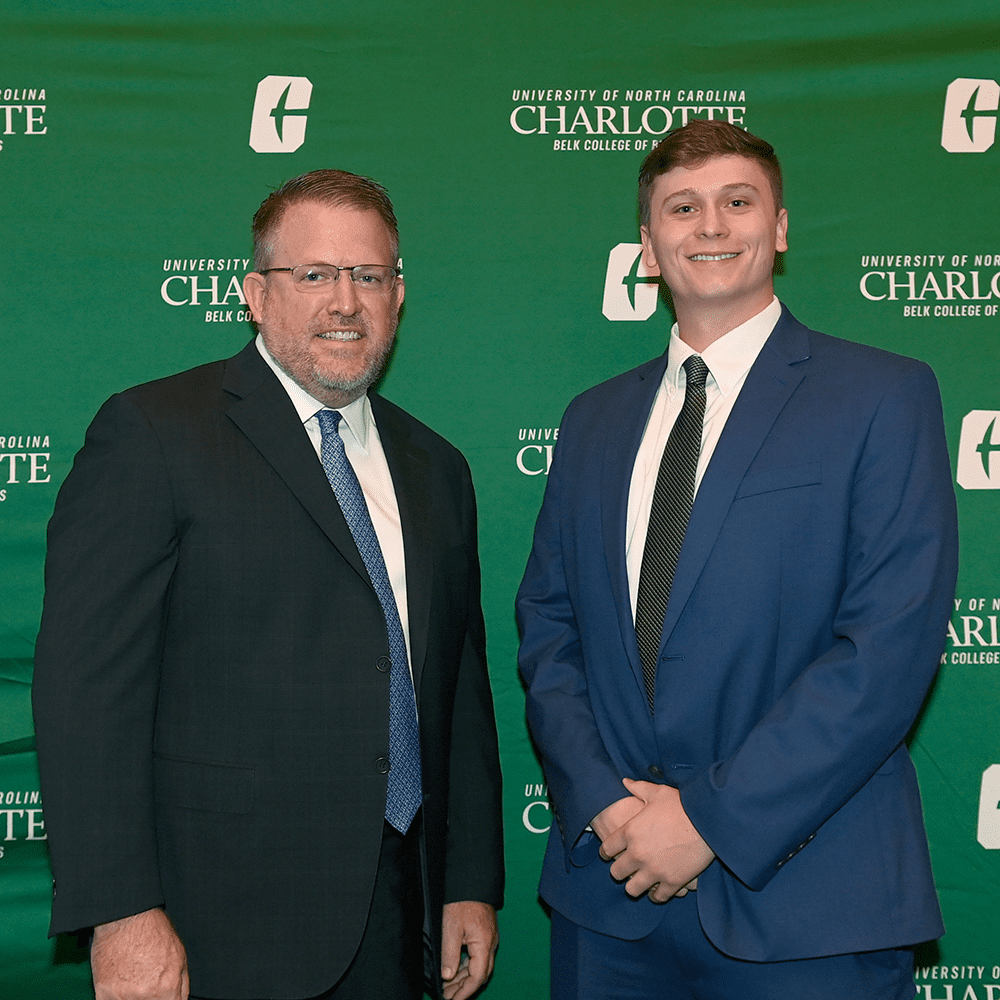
(312, 222)
(714, 174)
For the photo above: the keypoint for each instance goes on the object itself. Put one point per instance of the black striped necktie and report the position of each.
(673, 497)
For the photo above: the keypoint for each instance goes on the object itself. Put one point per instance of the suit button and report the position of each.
(383, 765)
(656, 772)
(384, 664)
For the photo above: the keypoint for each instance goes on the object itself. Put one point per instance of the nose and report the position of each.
(713, 222)
(344, 297)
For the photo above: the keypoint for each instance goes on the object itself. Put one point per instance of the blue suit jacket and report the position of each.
(805, 625)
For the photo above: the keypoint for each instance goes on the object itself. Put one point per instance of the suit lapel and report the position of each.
(265, 414)
(768, 387)
(409, 467)
(626, 424)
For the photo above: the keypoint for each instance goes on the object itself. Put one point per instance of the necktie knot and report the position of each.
(696, 370)
(329, 422)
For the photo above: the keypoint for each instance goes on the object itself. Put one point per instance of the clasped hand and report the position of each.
(652, 843)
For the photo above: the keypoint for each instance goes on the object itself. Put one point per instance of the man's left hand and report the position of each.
(473, 926)
(658, 850)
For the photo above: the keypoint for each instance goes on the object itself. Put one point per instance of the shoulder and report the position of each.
(191, 396)
(403, 428)
(854, 366)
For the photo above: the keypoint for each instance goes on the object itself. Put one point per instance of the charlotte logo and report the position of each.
(988, 828)
(977, 467)
(535, 459)
(630, 291)
(280, 111)
(22, 111)
(207, 281)
(970, 115)
(537, 814)
(24, 458)
(21, 816)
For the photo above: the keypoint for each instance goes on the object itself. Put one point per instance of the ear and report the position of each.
(399, 291)
(253, 292)
(648, 257)
(781, 240)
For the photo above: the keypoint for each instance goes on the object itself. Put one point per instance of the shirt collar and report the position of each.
(731, 356)
(357, 415)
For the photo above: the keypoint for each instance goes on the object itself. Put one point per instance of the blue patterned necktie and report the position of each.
(404, 793)
(673, 498)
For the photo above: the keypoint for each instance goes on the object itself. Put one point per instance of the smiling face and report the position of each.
(335, 343)
(712, 235)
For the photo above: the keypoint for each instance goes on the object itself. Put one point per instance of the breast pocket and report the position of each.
(787, 478)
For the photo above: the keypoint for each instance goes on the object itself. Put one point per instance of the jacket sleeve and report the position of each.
(581, 776)
(475, 868)
(111, 552)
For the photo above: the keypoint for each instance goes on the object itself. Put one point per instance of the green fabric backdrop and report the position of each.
(509, 138)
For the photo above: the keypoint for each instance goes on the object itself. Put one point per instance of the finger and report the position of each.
(478, 967)
(452, 989)
(451, 950)
(640, 789)
(623, 867)
(637, 885)
(460, 987)
(613, 846)
(659, 893)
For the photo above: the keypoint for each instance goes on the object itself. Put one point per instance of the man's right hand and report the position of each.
(139, 958)
(616, 815)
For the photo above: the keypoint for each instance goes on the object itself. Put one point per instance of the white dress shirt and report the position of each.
(728, 360)
(364, 451)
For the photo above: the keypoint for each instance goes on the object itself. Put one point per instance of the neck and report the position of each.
(700, 327)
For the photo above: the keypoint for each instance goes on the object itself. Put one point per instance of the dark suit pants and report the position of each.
(677, 962)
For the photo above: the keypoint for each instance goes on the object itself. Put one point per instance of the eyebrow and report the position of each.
(725, 189)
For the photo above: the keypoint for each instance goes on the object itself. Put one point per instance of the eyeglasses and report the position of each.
(312, 278)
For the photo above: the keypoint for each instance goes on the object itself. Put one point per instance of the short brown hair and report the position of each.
(701, 140)
(329, 187)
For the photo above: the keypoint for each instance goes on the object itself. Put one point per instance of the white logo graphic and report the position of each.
(970, 121)
(280, 113)
(988, 829)
(630, 291)
(536, 821)
(977, 468)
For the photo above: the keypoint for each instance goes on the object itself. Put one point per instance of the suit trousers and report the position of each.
(389, 961)
(678, 962)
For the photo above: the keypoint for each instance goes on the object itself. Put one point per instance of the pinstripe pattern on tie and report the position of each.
(404, 794)
(673, 497)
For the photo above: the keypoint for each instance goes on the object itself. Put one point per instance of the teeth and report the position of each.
(341, 335)
(717, 256)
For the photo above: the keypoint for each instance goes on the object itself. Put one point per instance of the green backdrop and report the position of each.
(509, 138)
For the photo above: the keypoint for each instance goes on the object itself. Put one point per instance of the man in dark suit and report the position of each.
(734, 607)
(252, 567)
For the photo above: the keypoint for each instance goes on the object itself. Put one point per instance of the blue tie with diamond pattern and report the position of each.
(404, 793)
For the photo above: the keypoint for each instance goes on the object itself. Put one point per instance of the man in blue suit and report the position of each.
(734, 607)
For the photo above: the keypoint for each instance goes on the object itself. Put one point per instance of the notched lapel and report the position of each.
(769, 385)
(621, 445)
(265, 414)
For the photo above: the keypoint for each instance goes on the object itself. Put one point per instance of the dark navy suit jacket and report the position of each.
(805, 624)
(211, 685)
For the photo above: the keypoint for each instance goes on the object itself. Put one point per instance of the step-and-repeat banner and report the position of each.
(137, 139)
